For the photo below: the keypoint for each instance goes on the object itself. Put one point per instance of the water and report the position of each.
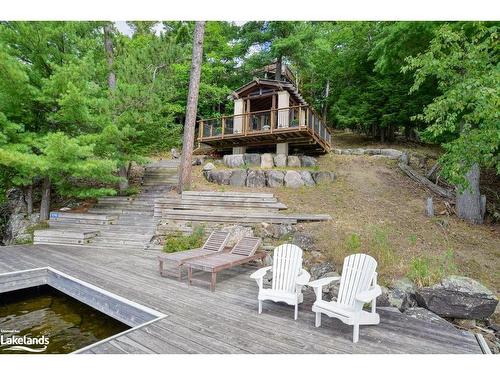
(68, 323)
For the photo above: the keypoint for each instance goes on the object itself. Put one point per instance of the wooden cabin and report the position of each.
(269, 116)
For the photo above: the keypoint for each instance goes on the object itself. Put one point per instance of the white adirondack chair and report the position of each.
(288, 277)
(358, 285)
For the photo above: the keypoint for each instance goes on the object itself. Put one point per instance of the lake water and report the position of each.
(44, 311)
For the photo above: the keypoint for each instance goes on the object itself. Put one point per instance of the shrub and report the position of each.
(412, 239)
(353, 243)
(382, 248)
(133, 190)
(420, 271)
(425, 271)
(178, 242)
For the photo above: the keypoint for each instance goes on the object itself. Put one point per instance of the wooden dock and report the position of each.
(198, 321)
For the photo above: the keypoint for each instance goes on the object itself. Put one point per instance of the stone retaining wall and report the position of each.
(267, 178)
(268, 161)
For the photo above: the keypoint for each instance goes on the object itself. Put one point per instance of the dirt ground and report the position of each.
(378, 210)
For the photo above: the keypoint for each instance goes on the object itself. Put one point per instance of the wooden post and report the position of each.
(223, 121)
(273, 112)
(245, 123)
(200, 130)
(429, 207)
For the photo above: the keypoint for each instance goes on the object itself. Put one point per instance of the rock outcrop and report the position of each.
(458, 297)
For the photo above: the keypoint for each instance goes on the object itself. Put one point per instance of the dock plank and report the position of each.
(226, 321)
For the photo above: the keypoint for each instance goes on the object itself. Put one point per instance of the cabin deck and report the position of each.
(198, 321)
(298, 126)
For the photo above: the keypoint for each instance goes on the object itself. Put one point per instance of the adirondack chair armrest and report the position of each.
(322, 282)
(258, 276)
(369, 295)
(317, 285)
(303, 278)
(260, 273)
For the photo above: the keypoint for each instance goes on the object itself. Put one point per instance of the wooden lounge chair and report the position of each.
(288, 277)
(358, 286)
(214, 244)
(243, 252)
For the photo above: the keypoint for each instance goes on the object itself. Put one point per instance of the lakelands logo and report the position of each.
(14, 342)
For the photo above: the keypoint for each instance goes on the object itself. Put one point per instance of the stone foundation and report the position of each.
(258, 178)
(268, 161)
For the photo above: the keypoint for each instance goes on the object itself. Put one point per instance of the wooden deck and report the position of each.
(198, 321)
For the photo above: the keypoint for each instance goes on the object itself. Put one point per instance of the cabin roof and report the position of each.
(285, 71)
(271, 83)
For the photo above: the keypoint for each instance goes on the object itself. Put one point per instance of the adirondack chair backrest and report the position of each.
(287, 264)
(216, 241)
(357, 275)
(247, 246)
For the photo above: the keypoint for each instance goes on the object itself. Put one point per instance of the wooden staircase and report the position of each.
(211, 208)
(115, 222)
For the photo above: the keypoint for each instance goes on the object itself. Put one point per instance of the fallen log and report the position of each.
(415, 176)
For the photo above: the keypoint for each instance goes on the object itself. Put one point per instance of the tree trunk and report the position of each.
(468, 202)
(279, 63)
(123, 174)
(191, 108)
(28, 197)
(45, 203)
(327, 93)
(108, 46)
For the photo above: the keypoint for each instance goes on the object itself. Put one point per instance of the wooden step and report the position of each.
(48, 236)
(82, 218)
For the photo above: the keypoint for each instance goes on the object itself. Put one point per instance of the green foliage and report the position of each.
(425, 271)
(382, 247)
(178, 242)
(353, 243)
(464, 118)
(412, 239)
(420, 271)
(38, 226)
(55, 99)
(130, 191)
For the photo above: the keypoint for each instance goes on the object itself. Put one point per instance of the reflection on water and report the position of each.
(43, 310)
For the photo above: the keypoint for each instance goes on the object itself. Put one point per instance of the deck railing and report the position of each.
(264, 122)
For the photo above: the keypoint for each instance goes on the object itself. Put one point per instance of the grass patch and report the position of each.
(412, 239)
(382, 248)
(353, 243)
(30, 231)
(38, 226)
(178, 242)
(425, 270)
(133, 190)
